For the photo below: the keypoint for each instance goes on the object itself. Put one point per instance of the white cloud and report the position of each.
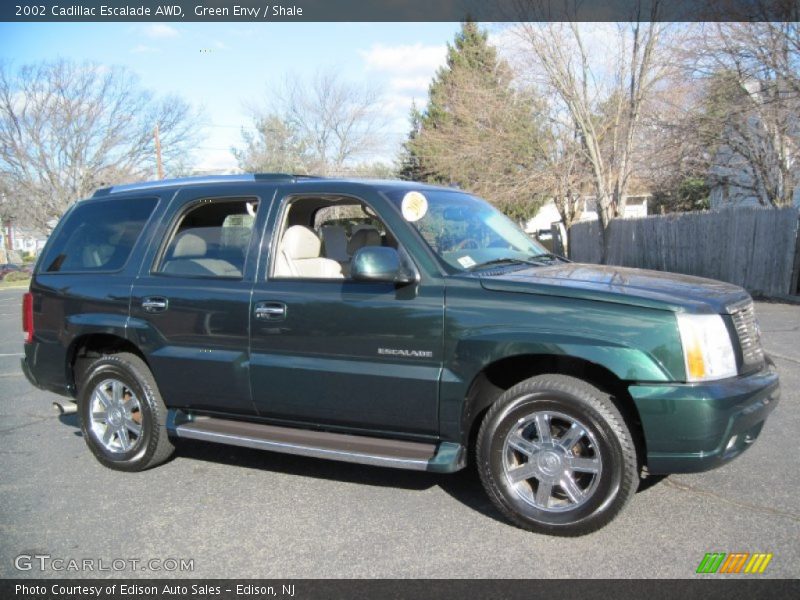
(408, 70)
(160, 31)
(409, 84)
(601, 42)
(507, 40)
(397, 107)
(405, 59)
(215, 160)
(144, 49)
(405, 71)
(100, 69)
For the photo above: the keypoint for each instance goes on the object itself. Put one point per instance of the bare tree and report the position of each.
(276, 146)
(67, 128)
(566, 174)
(324, 125)
(672, 154)
(602, 93)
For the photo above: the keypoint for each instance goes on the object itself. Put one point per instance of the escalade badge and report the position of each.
(406, 353)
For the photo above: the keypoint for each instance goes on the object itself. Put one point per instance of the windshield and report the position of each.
(464, 231)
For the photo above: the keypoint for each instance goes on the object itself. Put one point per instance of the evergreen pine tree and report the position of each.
(409, 162)
(477, 132)
(470, 53)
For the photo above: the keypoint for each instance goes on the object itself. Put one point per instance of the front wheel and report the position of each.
(123, 418)
(555, 456)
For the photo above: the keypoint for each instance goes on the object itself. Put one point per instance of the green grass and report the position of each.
(5, 285)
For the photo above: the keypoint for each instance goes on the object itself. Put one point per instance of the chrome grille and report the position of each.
(744, 321)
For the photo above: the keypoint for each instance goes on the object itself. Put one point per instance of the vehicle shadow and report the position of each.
(464, 486)
(72, 420)
(650, 481)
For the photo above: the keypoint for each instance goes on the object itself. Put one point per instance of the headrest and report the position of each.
(300, 242)
(333, 232)
(335, 239)
(235, 237)
(188, 245)
(368, 236)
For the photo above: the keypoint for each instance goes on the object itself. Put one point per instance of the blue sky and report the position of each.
(239, 61)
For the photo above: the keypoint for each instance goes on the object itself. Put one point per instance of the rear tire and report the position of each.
(555, 456)
(123, 417)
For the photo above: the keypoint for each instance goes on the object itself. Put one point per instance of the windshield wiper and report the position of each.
(499, 261)
(535, 261)
(548, 256)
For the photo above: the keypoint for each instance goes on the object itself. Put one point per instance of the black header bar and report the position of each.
(705, 587)
(399, 10)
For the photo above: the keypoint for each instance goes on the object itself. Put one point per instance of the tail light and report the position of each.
(27, 317)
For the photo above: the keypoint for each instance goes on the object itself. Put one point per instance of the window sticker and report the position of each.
(466, 262)
(414, 206)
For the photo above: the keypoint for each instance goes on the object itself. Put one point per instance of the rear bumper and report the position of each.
(31, 365)
(27, 371)
(697, 427)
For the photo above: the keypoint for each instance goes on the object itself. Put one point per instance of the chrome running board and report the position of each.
(442, 457)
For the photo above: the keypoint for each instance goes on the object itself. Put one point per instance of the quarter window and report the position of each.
(98, 236)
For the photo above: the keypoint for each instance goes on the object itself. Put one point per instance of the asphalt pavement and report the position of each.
(243, 513)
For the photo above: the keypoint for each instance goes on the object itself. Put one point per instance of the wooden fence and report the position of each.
(756, 248)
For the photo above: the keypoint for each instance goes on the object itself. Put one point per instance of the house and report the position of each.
(732, 177)
(732, 183)
(635, 207)
(16, 241)
(28, 240)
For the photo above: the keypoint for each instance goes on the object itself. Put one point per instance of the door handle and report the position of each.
(155, 304)
(270, 311)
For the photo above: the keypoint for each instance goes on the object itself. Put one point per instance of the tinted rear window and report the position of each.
(98, 236)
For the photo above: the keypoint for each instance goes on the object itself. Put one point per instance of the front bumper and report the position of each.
(697, 427)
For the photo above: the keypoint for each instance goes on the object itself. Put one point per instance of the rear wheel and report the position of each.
(555, 456)
(123, 417)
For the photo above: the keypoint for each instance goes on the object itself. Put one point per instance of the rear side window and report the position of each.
(98, 236)
(211, 239)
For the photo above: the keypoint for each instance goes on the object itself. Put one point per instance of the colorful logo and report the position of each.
(736, 562)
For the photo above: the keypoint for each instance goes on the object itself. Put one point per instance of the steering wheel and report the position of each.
(467, 244)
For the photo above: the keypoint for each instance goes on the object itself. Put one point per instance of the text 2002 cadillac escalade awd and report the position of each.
(388, 323)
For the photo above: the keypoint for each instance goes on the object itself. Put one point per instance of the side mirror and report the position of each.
(378, 263)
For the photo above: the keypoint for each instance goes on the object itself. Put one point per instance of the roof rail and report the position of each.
(181, 181)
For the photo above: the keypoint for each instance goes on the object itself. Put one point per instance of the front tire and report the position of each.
(555, 456)
(123, 418)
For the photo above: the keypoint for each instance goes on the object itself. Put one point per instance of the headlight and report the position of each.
(707, 348)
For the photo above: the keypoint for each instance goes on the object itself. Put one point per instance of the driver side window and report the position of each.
(320, 235)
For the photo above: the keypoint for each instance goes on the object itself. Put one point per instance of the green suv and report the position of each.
(388, 323)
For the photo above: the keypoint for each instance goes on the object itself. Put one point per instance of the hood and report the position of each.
(622, 285)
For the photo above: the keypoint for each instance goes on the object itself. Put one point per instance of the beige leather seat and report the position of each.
(190, 258)
(298, 256)
(366, 236)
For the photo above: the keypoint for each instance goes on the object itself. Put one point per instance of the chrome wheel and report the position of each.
(116, 416)
(552, 461)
